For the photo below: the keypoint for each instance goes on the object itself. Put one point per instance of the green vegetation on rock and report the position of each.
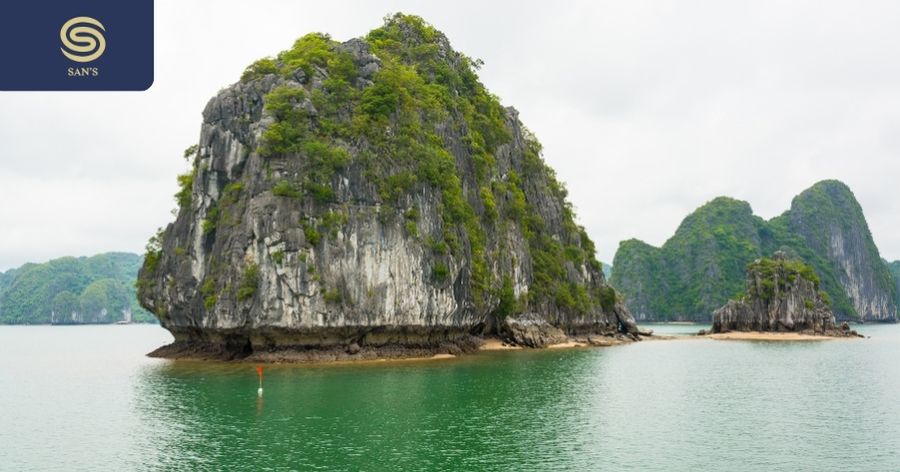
(414, 93)
(702, 265)
(894, 268)
(284, 189)
(769, 272)
(185, 181)
(249, 282)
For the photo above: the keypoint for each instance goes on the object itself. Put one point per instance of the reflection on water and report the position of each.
(87, 399)
(425, 415)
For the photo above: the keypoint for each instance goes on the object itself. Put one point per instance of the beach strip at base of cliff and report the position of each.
(772, 336)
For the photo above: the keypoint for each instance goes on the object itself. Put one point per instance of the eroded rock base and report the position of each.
(214, 352)
(386, 343)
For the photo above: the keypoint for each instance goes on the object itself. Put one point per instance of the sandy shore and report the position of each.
(496, 344)
(439, 356)
(567, 344)
(767, 336)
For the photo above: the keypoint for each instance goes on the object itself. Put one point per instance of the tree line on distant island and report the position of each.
(73, 290)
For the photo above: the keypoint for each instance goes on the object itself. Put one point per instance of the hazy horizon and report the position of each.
(646, 110)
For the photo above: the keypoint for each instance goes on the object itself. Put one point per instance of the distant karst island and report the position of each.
(702, 266)
(73, 290)
(371, 199)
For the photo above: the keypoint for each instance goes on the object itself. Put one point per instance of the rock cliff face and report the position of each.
(830, 220)
(781, 295)
(369, 193)
(702, 265)
(894, 267)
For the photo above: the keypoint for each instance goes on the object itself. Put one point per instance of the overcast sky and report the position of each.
(645, 109)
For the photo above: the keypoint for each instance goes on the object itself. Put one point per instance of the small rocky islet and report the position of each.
(781, 296)
(371, 199)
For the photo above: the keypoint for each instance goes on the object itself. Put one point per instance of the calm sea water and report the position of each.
(85, 398)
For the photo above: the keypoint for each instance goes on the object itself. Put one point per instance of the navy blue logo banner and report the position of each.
(77, 45)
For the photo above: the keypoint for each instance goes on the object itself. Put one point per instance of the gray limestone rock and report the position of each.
(248, 268)
(532, 331)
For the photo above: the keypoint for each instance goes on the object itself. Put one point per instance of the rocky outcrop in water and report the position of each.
(531, 331)
(781, 295)
(702, 265)
(369, 194)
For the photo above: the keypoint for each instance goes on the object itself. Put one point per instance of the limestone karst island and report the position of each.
(371, 198)
(703, 264)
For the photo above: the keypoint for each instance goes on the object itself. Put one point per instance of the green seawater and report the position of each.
(86, 398)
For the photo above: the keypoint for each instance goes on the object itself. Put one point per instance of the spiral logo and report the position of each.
(82, 39)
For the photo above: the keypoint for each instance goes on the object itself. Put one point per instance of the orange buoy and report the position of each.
(259, 372)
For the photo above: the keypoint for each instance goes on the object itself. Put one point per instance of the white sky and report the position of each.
(645, 109)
